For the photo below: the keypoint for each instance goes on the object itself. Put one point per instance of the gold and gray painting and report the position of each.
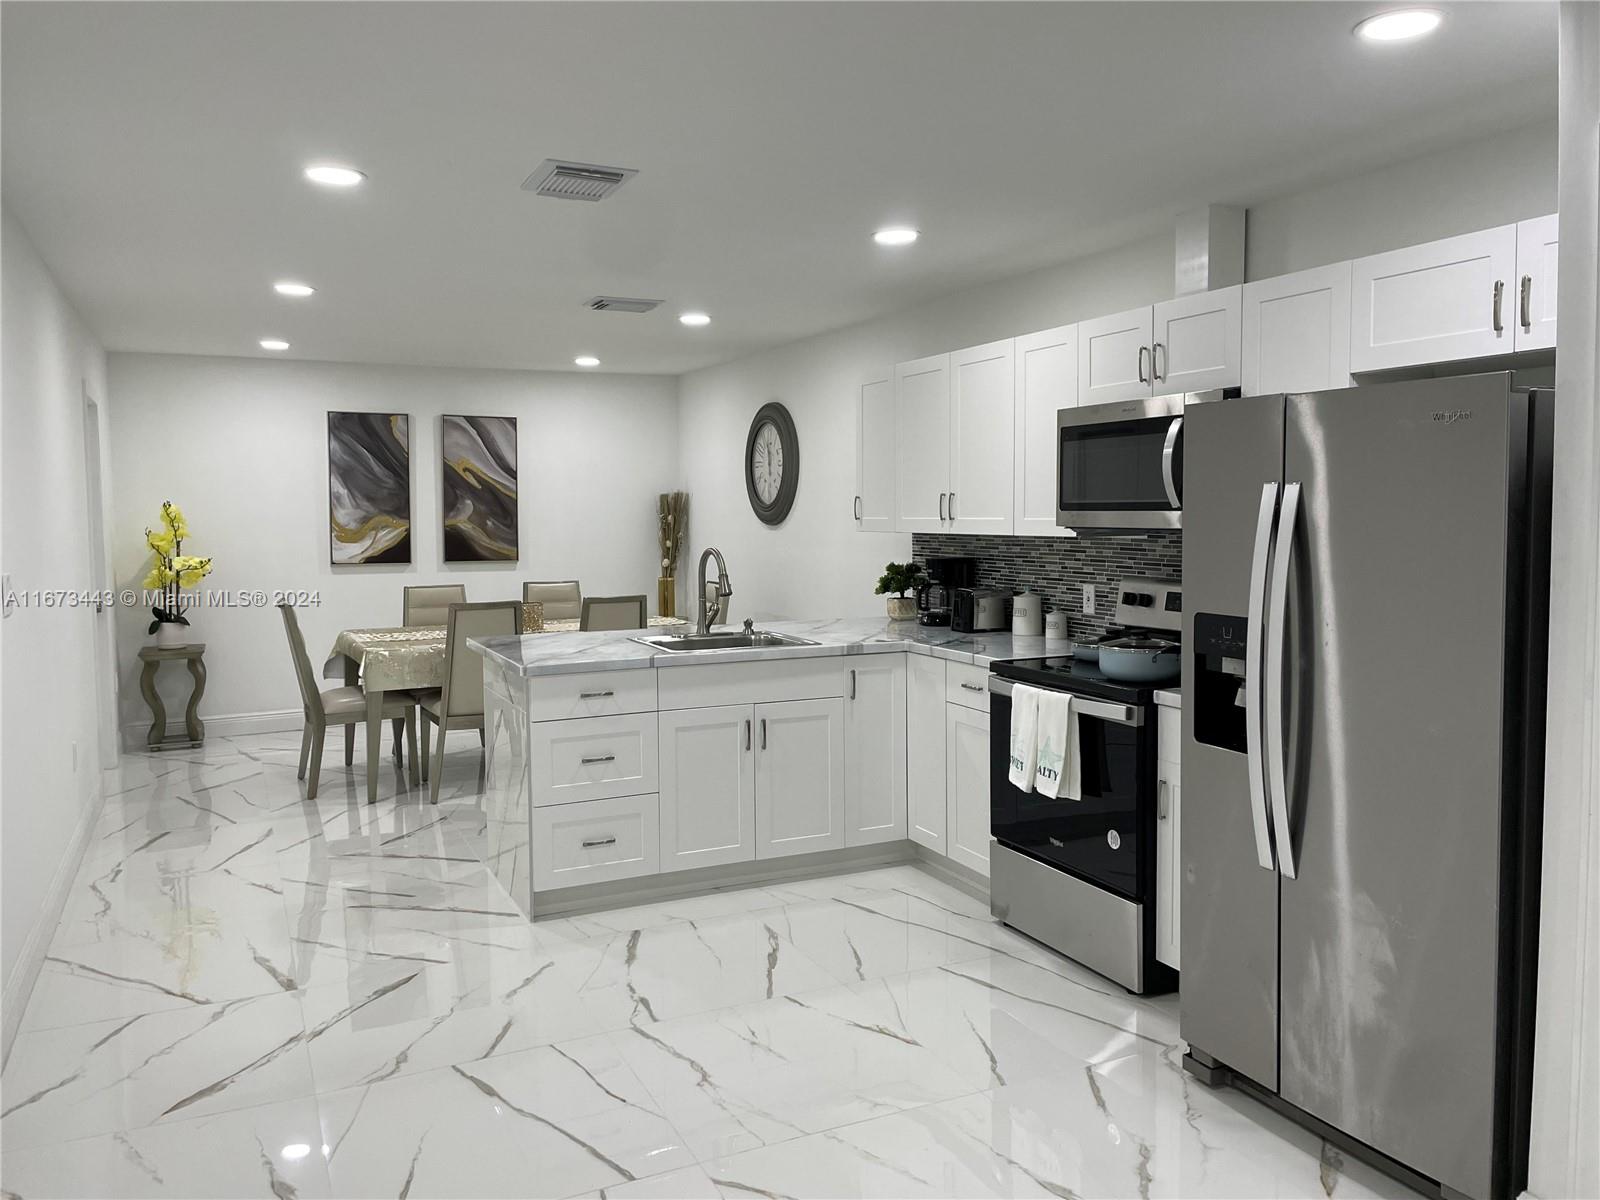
(369, 487)
(480, 489)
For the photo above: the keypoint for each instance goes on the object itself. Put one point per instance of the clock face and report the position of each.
(772, 463)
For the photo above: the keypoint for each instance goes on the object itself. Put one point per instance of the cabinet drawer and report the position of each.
(967, 685)
(596, 841)
(589, 759)
(591, 694)
(712, 685)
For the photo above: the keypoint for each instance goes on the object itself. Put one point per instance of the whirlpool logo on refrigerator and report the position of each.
(1449, 416)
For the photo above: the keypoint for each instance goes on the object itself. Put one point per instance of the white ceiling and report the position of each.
(153, 152)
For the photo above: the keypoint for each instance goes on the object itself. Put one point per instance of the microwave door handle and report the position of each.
(1168, 451)
(1255, 634)
(1277, 644)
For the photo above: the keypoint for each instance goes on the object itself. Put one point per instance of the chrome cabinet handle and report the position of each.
(591, 843)
(598, 758)
(763, 733)
(974, 687)
(942, 517)
(1499, 299)
(852, 683)
(1255, 631)
(1162, 789)
(594, 695)
(747, 733)
(1143, 350)
(858, 508)
(1169, 450)
(1278, 602)
(952, 506)
(1156, 352)
(1526, 303)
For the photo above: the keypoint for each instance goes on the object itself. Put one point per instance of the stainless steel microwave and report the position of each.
(1120, 466)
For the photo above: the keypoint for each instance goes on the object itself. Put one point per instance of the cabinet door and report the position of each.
(967, 777)
(1047, 381)
(1196, 342)
(983, 385)
(1114, 357)
(926, 804)
(1443, 301)
(1168, 883)
(1537, 243)
(1297, 332)
(875, 749)
(922, 444)
(874, 498)
(708, 773)
(799, 777)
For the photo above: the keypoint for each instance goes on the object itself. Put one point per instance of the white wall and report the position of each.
(817, 564)
(241, 446)
(50, 689)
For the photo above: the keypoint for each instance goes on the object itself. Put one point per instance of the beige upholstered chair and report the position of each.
(459, 705)
(562, 599)
(338, 706)
(429, 603)
(614, 612)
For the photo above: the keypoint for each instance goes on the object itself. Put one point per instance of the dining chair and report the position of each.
(427, 604)
(562, 599)
(614, 612)
(459, 704)
(338, 706)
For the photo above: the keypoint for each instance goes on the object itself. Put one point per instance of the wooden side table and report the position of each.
(194, 728)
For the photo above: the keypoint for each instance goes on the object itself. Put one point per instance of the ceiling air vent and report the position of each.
(620, 304)
(575, 181)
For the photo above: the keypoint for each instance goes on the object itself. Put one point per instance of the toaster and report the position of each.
(978, 610)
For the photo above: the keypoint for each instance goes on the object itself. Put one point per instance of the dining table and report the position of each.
(405, 658)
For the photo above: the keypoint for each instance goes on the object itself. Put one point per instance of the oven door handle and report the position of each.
(1169, 450)
(1084, 706)
(1255, 639)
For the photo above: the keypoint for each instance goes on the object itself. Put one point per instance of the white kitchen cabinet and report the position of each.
(800, 752)
(1114, 357)
(708, 782)
(982, 438)
(875, 749)
(1440, 302)
(1297, 332)
(1169, 835)
(1537, 245)
(922, 444)
(967, 779)
(1195, 342)
(1047, 381)
(874, 509)
(926, 804)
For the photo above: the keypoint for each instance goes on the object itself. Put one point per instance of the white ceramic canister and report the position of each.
(1027, 615)
(1055, 625)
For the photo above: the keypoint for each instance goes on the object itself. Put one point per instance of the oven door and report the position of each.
(1102, 838)
(1120, 466)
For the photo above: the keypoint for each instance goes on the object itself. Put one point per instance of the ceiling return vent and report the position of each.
(620, 304)
(575, 181)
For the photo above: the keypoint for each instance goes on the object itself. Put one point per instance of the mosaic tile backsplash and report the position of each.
(1057, 568)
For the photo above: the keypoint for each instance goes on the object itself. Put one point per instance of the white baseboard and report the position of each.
(26, 969)
(284, 720)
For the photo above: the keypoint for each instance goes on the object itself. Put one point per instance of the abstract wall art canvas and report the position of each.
(480, 489)
(369, 488)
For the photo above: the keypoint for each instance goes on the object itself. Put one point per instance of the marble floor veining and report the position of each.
(250, 994)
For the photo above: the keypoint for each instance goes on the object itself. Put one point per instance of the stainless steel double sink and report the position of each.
(687, 643)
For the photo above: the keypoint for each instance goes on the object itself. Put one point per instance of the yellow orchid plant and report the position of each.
(172, 570)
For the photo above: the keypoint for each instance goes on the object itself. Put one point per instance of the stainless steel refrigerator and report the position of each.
(1365, 588)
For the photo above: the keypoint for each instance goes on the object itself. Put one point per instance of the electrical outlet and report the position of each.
(1088, 599)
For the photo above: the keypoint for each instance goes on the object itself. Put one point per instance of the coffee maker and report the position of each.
(936, 593)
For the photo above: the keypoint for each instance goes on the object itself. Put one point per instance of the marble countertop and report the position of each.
(546, 654)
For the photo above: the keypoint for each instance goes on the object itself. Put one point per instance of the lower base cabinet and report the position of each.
(708, 785)
(799, 797)
(1169, 834)
(875, 749)
(966, 734)
(926, 803)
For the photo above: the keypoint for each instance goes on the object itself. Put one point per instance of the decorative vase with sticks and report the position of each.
(672, 522)
(172, 571)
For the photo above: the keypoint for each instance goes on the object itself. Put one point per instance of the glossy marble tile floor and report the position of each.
(252, 994)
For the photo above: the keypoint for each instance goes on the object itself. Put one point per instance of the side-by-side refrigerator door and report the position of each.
(1390, 761)
(1233, 460)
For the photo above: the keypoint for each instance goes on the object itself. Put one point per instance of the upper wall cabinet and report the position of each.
(1114, 357)
(875, 441)
(1297, 332)
(1443, 301)
(1536, 283)
(1047, 381)
(922, 444)
(982, 396)
(1196, 342)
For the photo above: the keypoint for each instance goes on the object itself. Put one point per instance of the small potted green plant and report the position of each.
(899, 578)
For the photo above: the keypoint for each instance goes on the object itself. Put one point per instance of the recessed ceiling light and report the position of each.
(586, 360)
(693, 318)
(285, 288)
(895, 235)
(274, 344)
(1401, 25)
(333, 175)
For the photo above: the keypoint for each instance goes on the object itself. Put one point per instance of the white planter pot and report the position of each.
(170, 635)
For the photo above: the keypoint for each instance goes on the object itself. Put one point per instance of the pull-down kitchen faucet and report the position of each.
(709, 608)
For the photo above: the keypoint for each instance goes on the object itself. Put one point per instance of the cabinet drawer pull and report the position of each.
(1527, 296)
(941, 506)
(974, 687)
(1143, 378)
(1161, 800)
(952, 506)
(747, 733)
(852, 683)
(591, 843)
(598, 758)
(594, 695)
(858, 508)
(763, 733)
(1499, 299)
(1157, 353)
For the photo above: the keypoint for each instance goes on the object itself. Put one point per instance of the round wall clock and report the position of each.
(772, 463)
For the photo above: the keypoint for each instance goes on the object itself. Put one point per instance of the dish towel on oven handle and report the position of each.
(1024, 735)
(1057, 774)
